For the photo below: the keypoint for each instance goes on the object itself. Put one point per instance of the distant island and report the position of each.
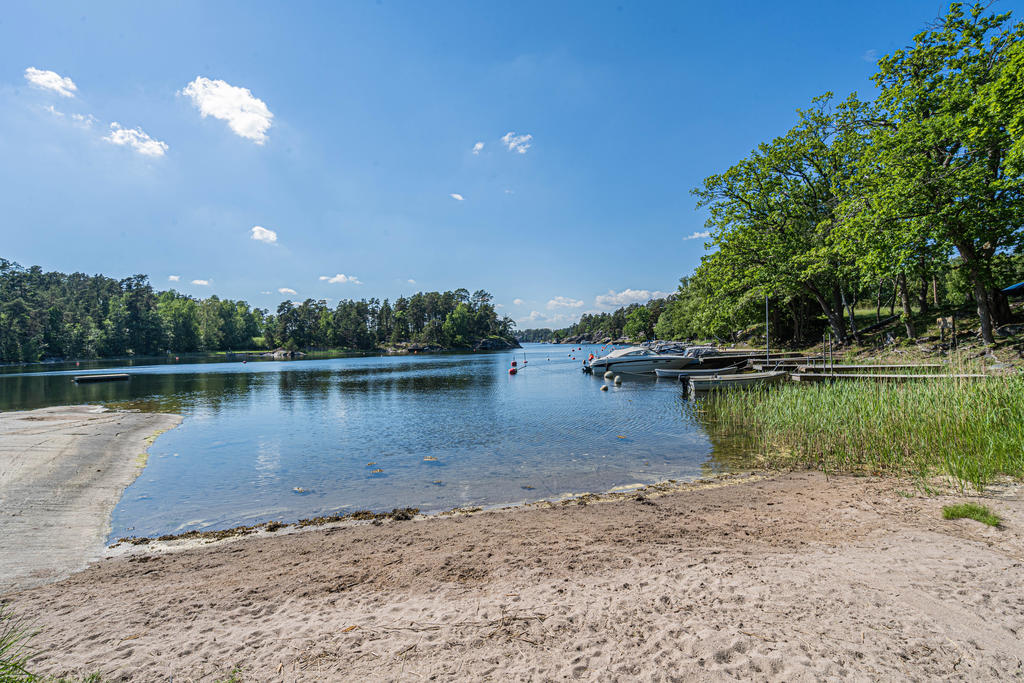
(52, 315)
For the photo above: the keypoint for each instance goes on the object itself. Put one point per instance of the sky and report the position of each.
(542, 151)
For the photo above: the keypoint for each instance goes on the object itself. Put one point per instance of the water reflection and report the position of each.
(284, 440)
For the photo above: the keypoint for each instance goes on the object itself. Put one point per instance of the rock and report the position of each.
(493, 344)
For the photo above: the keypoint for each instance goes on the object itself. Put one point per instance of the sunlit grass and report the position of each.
(969, 430)
(973, 511)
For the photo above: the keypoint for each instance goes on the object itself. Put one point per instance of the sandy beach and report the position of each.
(62, 471)
(794, 576)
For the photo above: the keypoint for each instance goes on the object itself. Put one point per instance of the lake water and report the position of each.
(282, 440)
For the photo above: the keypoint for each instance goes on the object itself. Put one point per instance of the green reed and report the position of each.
(971, 430)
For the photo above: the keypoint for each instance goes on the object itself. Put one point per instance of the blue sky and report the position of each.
(154, 137)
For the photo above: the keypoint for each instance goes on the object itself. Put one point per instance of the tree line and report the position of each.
(56, 315)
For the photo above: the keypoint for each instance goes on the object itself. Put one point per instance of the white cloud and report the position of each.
(518, 302)
(201, 283)
(51, 80)
(53, 110)
(477, 147)
(564, 302)
(286, 290)
(499, 305)
(173, 278)
(411, 281)
(83, 120)
(265, 292)
(544, 319)
(508, 191)
(261, 234)
(341, 279)
(136, 139)
(456, 196)
(517, 143)
(246, 115)
(615, 299)
(699, 235)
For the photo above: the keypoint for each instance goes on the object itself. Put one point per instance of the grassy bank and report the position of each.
(970, 431)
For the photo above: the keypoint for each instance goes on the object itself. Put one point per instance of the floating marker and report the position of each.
(604, 387)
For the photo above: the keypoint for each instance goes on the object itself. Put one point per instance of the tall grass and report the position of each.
(14, 651)
(969, 430)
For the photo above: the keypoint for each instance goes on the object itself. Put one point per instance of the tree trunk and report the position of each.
(892, 300)
(922, 296)
(901, 283)
(878, 303)
(970, 257)
(935, 291)
(853, 322)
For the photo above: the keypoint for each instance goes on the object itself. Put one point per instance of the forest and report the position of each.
(50, 315)
(910, 201)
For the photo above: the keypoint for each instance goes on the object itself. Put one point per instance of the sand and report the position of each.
(780, 577)
(62, 471)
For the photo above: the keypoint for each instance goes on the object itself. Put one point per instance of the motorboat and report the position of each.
(746, 380)
(637, 360)
(697, 371)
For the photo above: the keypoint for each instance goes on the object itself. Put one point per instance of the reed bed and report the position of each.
(971, 431)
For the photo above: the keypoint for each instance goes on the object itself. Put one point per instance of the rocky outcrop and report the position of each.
(496, 344)
(282, 353)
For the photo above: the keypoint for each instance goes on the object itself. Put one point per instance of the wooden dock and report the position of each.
(89, 379)
(828, 377)
(812, 367)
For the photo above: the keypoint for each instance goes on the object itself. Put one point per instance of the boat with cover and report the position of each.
(637, 360)
(750, 379)
(697, 371)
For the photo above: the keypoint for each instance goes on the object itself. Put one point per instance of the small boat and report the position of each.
(751, 379)
(88, 379)
(636, 360)
(697, 371)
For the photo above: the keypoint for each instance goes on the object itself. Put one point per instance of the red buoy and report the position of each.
(511, 371)
(513, 363)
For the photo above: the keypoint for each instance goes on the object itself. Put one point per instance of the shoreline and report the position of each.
(62, 471)
(789, 576)
(764, 575)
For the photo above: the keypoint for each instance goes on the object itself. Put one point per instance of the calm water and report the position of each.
(284, 440)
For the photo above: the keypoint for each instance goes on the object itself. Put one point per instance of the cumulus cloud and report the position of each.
(517, 143)
(136, 139)
(261, 234)
(564, 302)
(173, 278)
(411, 281)
(50, 80)
(615, 299)
(699, 235)
(518, 302)
(286, 290)
(341, 279)
(456, 196)
(201, 283)
(477, 147)
(247, 116)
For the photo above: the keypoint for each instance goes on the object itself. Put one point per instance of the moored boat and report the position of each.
(751, 379)
(636, 360)
(697, 371)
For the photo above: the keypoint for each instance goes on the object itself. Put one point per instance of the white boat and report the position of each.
(751, 379)
(697, 371)
(636, 360)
